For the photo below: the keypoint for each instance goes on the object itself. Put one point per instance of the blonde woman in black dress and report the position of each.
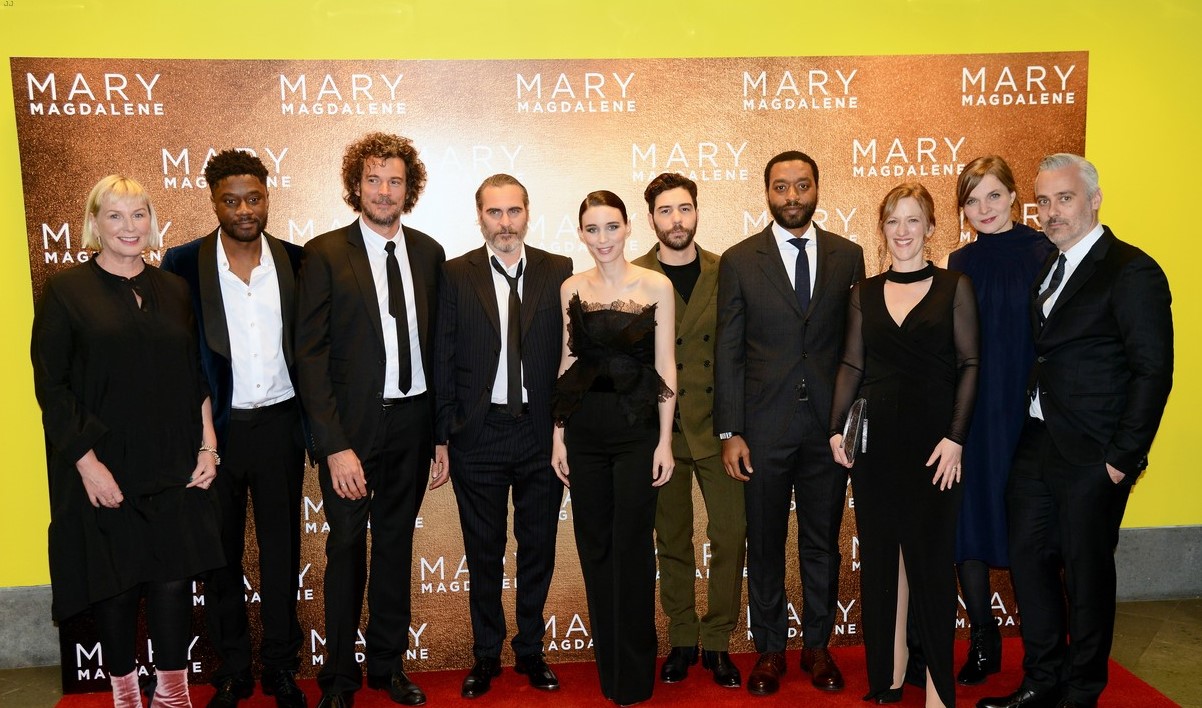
(911, 351)
(130, 443)
(612, 442)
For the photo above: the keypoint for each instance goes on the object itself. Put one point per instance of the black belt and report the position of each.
(243, 415)
(504, 408)
(387, 403)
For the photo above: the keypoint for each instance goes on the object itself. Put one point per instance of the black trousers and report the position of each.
(264, 456)
(613, 515)
(1063, 517)
(507, 457)
(397, 467)
(798, 465)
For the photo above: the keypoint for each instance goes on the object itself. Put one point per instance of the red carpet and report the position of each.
(581, 688)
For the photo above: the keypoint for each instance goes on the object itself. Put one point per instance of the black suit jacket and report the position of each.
(339, 339)
(196, 262)
(767, 348)
(1104, 358)
(468, 342)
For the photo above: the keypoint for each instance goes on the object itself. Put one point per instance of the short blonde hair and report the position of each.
(112, 188)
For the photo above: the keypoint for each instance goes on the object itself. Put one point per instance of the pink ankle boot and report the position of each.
(125, 690)
(172, 691)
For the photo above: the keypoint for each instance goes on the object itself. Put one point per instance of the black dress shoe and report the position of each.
(534, 667)
(231, 690)
(479, 679)
(676, 666)
(400, 689)
(337, 700)
(1022, 698)
(984, 656)
(726, 674)
(281, 683)
(885, 697)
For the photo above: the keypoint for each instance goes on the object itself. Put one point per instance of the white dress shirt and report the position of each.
(1072, 258)
(500, 386)
(788, 252)
(256, 331)
(378, 259)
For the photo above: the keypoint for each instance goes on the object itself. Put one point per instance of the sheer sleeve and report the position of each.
(966, 333)
(851, 370)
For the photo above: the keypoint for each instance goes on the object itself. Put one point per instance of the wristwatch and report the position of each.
(725, 436)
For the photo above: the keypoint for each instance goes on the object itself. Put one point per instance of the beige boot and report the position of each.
(172, 691)
(125, 690)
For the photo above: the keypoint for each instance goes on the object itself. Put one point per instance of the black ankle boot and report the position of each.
(984, 656)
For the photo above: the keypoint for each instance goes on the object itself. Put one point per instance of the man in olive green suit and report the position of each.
(672, 207)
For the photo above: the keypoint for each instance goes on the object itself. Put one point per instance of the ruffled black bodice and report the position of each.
(614, 348)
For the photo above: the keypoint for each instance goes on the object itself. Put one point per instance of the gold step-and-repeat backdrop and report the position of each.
(564, 128)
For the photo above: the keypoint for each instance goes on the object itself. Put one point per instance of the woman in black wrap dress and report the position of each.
(911, 352)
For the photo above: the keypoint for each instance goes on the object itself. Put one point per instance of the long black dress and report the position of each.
(609, 398)
(919, 379)
(125, 382)
(1003, 268)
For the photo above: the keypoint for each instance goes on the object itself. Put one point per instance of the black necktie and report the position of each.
(513, 341)
(396, 308)
(1053, 285)
(801, 274)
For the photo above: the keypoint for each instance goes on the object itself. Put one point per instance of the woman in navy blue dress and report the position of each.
(1002, 262)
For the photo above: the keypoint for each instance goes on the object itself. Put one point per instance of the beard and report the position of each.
(505, 240)
(676, 239)
(244, 231)
(795, 222)
(385, 213)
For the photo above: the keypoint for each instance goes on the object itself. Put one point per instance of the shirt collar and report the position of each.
(1076, 253)
(223, 260)
(783, 236)
(376, 242)
(510, 271)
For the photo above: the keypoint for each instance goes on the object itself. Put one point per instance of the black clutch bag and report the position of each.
(855, 430)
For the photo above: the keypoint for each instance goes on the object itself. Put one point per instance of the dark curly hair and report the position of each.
(382, 146)
(230, 163)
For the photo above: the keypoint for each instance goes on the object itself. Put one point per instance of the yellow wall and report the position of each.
(1143, 133)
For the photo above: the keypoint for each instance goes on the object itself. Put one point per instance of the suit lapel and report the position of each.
(1082, 273)
(287, 281)
(417, 258)
(532, 290)
(356, 256)
(703, 291)
(774, 269)
(212, 307)
(822, 272)
(1036, 330)
(481, 277)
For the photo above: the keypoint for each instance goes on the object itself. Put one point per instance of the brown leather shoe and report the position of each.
(821, 666)
(765, 677)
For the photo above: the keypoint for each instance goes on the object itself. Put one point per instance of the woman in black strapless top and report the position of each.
(613, 440)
